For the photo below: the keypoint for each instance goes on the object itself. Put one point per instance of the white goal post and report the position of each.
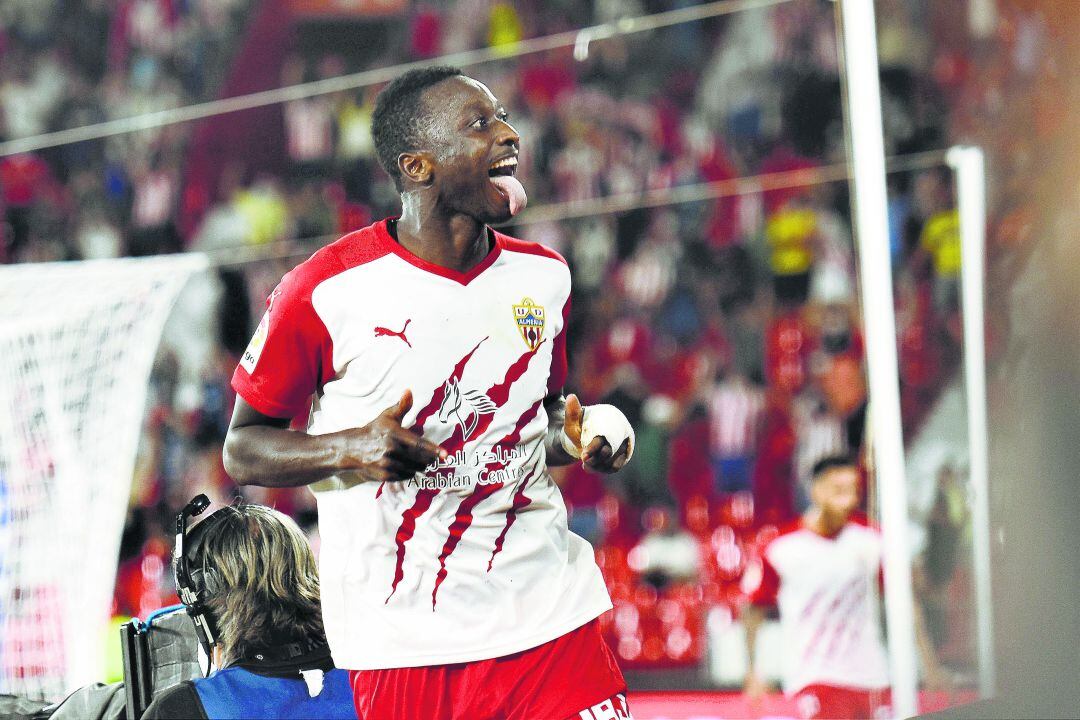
(863, 111)
(862, 101)
(77, 341)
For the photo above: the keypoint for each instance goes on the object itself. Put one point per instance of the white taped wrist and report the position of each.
(607, 421)
(568, 445)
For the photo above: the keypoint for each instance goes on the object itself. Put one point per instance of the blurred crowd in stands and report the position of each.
(728, 330)
(80, 62)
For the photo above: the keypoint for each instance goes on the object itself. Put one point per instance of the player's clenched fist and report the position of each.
(599, 435)
(383, 450)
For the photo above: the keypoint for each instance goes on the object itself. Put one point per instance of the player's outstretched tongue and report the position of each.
(514, 191)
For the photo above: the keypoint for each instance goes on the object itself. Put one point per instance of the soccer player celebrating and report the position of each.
(431, 350)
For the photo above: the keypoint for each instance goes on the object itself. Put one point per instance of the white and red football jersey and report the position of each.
(827, 591)
(472, 559)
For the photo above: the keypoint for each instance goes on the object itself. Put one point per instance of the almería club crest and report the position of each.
(530, 322)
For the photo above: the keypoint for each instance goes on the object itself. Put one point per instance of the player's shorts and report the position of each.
(818, 702)
(572, 677)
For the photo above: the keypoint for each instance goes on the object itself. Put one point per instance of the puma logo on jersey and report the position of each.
(270, 300)
(385, 332)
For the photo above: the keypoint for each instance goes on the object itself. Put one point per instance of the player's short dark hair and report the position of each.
(830, 462)
(397, 122)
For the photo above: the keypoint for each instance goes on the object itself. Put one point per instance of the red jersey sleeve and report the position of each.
(765, 593)
(557, 378)
(290, 356)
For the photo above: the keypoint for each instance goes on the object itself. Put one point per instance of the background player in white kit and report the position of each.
(823, 572)
(451, 587)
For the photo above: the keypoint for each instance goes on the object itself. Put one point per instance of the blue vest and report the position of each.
(238, 693)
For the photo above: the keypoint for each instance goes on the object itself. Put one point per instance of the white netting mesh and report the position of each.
(76, 344)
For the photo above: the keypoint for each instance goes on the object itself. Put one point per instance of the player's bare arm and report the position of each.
(566, 418)
(261, 450)
(752, 619)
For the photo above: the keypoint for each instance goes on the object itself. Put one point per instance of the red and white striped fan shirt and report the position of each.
(819, 433)
(471, 559)
(309, 125)
(827, 591)
(736, 410)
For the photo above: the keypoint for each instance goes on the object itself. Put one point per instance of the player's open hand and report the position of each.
(384, 451)
(598, 455)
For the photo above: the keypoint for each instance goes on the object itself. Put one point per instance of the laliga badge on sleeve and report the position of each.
(255, 347)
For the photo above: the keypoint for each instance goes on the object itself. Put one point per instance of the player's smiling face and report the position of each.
(472, 142)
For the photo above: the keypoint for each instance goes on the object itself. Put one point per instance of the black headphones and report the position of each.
(196, 582)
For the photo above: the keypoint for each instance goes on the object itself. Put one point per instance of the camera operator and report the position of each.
(250, 583)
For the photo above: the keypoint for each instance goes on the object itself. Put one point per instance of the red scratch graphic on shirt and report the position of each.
(849, 615)
(464, 516)
(405, 532)
(520, 501)
(811, 604)
(437, 397)
(828, 623)
(499, 394)
(423, 496)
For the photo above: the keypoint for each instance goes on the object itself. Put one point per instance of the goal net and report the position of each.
(77, 341)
